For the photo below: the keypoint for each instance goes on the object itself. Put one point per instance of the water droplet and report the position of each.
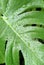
(24, 6)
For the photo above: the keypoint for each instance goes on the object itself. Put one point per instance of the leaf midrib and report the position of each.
(5, 20)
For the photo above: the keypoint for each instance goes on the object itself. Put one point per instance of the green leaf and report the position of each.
(22, 25)
(2, 51)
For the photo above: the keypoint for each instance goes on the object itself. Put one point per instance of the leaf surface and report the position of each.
(23, 29)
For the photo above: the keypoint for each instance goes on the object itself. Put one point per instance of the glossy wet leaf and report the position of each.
(22, 25)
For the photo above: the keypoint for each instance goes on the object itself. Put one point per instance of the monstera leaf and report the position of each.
(22, 29)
